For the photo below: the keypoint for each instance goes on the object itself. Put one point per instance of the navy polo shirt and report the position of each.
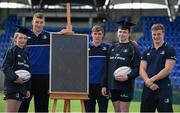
(156, 59)
(97, 62)
(39, 52)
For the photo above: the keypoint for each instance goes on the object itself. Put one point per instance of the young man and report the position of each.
(97, 68)
(156, 64)
(123, 53)
(38, 48)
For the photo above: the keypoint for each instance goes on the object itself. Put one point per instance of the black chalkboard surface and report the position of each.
(69, 63)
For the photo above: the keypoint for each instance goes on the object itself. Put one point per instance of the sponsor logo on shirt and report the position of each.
(24, 64)
(117, 57)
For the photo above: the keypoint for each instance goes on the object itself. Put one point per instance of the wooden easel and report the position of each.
(68, 10)
(67, 96)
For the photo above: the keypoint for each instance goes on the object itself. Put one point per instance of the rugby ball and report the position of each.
(124, 70)
(24, 74)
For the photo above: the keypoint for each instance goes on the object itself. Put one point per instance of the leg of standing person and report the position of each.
(18, 104)
(101, 100)
(148, 102)
(41, 94)
(165, 99)
(91, 102)
(12, 105)
(24, 107)
(124, 106)
(115, 100)
(116, 105)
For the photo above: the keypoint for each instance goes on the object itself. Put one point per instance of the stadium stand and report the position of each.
(144, 25)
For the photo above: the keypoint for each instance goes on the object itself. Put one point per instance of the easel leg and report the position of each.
(82, 106)
(67, 105)
(54, 105)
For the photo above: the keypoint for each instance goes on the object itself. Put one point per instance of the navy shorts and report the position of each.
(121, 95)
(160, 99)
(16, 96)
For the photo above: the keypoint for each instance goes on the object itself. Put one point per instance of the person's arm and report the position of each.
(135, 64)
(143, 74)
(148, 82)
(169, 64)
(143, 69)
(164, 72)
(8, 65)
(104, 83)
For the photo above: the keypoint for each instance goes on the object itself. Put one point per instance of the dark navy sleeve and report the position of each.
(144, 56)
(8, 65)
(104, 82)
(171, 53)
(135, 64)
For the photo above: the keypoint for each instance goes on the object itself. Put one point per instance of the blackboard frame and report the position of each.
(69, 94)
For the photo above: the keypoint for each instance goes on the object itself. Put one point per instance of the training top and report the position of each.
(16, 58)
(122, 54)
(97, 62)
(156, 60)
(39, 51)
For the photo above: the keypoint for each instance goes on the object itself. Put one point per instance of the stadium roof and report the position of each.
(93, 3)
(172, 6)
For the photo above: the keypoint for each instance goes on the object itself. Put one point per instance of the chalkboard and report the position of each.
(69, 63)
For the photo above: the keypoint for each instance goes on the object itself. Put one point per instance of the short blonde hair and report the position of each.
(156, 27)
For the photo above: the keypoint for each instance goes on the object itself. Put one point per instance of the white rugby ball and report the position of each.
(124, 70)
(24, 74)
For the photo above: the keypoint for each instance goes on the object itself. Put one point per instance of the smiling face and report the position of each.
(158, 36)
(123, 35)
(157, 31)
(20, 40)
(38, 22)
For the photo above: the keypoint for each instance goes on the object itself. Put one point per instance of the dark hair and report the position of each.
(129, 29)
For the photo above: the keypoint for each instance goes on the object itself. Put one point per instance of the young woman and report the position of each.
(16, 58)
